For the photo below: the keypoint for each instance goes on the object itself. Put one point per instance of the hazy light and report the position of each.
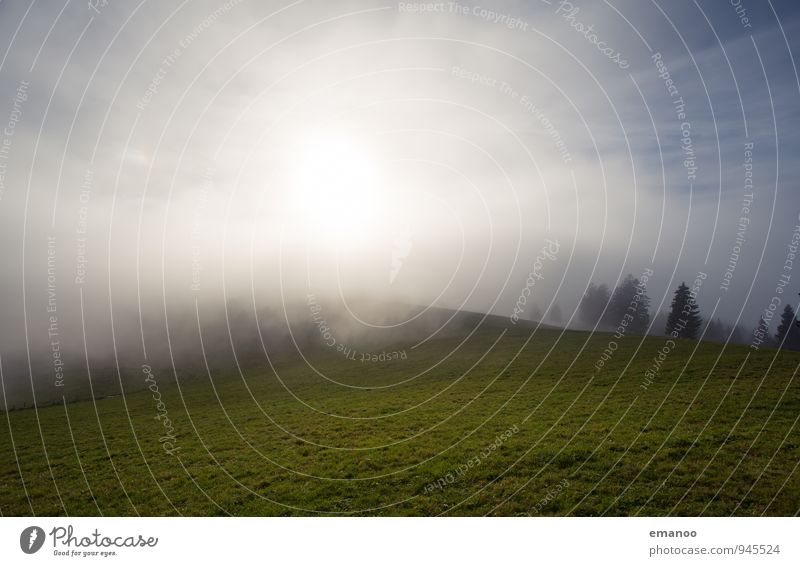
(334, 189)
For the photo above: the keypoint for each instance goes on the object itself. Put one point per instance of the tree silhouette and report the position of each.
(593, 302)
(641, 319)
(786, 336)
(624, 304)
(684, 318)
(555, 314)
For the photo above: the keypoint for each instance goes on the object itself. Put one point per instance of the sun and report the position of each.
(334, 187)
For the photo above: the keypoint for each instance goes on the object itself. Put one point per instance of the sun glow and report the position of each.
(334, 188)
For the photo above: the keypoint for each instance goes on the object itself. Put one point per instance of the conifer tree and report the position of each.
(787, 336)
(684, 319)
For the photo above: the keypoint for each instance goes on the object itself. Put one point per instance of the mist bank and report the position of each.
(221, 341)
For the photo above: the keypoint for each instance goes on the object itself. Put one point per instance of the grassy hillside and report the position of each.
(503, 422)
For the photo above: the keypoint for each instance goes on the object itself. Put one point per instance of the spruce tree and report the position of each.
(786, 335)
(684, 316)
(694, 321)
(678, 302)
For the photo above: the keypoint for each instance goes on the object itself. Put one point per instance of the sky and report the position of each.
(161, 158)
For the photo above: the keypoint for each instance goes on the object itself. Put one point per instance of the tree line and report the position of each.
(605, 310)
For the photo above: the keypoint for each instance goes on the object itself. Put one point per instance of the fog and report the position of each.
(171, 172)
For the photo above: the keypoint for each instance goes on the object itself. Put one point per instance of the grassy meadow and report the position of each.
(501, 422)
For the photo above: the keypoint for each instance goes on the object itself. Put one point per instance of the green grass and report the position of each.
(699, 440)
